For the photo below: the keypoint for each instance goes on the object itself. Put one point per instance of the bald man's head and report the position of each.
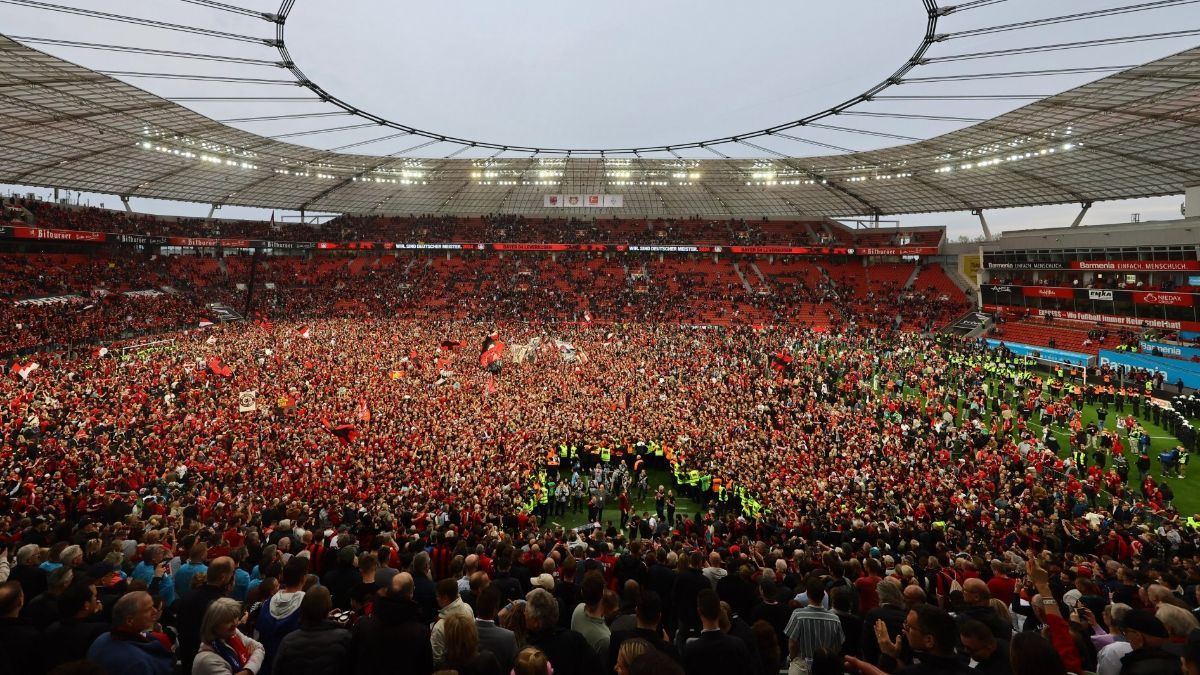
(976, 592)
(402, 585)
(914, 595)
(220, 571)
(11, 599)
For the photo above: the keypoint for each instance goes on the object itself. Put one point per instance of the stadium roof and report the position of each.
(1132, 134)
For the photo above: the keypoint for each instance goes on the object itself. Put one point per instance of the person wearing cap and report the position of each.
(1150, 652)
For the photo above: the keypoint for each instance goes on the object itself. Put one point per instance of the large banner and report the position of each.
(209, 242)
(139, 239)
(1048, 292)
(593, 201)
(1167, 349)
(53, 234)
(898, 250)
(1163, 299)
(1090, 317)
(1136, 265)
(1100, 265)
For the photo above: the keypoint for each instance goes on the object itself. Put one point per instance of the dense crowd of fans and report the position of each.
(489, 228)
(871, 501)
(339, 485)
(573, 287)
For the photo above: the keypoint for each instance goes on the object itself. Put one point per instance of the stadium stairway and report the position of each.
(224, 313)
(912, 278)
(745, 284)
(959, 280)
(762, 279)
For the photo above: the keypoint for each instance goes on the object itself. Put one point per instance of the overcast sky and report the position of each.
(615, 74)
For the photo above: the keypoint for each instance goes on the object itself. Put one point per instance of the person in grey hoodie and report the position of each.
(715, 571)
(282, 613)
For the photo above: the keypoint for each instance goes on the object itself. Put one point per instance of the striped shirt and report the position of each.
(812, 628)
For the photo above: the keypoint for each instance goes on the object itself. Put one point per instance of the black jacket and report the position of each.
(568, 648)
(425, 595)
(41, 611)
(893, 616)
(683, 597)
(31, 577)
(21, 642)
(68, 640)
(937, 665)
(1150, 661)
(484, 663)
(340, 581)
(989, 617)
(323, 650)
(189, 614)
(653, 637)
(393, 639)
(510, 588)
(715, 653)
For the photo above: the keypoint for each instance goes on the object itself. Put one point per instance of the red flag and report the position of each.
(305, 333)
(493, 353)
(215, 365)
(345, 433)
(24, 371)
(363, 412)
(205, 323)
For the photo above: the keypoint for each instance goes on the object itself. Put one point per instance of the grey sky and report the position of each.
(620, 73)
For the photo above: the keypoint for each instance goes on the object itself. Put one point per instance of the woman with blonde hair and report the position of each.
(462, 648)
(224, 650)
(1002, 609)
(532, 661)
(630, 650)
